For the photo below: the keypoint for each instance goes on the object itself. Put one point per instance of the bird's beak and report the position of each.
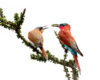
(45, 27)
(55, 25)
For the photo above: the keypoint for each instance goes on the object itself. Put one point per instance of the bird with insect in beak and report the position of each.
(35, 36)
(68, 41)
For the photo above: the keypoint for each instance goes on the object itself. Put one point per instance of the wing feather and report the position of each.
(67, 38)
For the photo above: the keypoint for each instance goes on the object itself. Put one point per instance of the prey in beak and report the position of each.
(55, 25)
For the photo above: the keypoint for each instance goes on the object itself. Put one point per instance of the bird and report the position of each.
(68, 41)
(35, 36)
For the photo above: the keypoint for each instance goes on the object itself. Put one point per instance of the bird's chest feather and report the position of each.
(35, 36)
(65, 36)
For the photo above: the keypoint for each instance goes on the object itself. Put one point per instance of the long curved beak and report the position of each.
(45, 27)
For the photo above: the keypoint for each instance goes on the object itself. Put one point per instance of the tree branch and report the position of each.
(16, 26)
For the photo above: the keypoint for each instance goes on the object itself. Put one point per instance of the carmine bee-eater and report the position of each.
(35, 36)
(68, 41)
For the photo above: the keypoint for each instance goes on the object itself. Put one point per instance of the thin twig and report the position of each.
(65, 68)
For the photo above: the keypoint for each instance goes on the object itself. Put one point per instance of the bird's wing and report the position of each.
(36, 38)
(74, 46)
(69, 41)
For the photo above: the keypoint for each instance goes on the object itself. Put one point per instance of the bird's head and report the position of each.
(42, 28)
(59, 25)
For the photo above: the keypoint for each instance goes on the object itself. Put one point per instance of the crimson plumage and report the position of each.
(68, 41)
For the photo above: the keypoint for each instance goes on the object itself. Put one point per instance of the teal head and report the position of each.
(59, 25)
(42, 28)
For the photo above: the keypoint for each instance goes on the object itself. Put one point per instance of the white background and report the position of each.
(82, 15)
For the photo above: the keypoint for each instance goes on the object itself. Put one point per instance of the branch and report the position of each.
(72, 63)
(75, 74)
(16, 26)
(65, 68)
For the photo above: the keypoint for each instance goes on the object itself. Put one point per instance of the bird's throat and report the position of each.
(61, 27)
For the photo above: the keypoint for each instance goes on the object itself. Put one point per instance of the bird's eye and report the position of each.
(63, 24)
(40, 28)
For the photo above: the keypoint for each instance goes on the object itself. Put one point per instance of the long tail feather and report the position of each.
(76, 61)
(44, 53)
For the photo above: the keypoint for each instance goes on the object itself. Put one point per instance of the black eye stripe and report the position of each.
(63, 25)
(40, 28)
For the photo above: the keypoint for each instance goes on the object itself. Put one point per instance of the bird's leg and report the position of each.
(35, 45)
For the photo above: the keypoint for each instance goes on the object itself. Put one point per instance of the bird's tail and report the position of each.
(76, 61)
(44, 53)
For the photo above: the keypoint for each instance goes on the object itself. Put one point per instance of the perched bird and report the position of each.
(68, 41)
(35, 36)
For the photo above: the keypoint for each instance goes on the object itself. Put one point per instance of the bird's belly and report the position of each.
(65, 39)
(35, 38)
